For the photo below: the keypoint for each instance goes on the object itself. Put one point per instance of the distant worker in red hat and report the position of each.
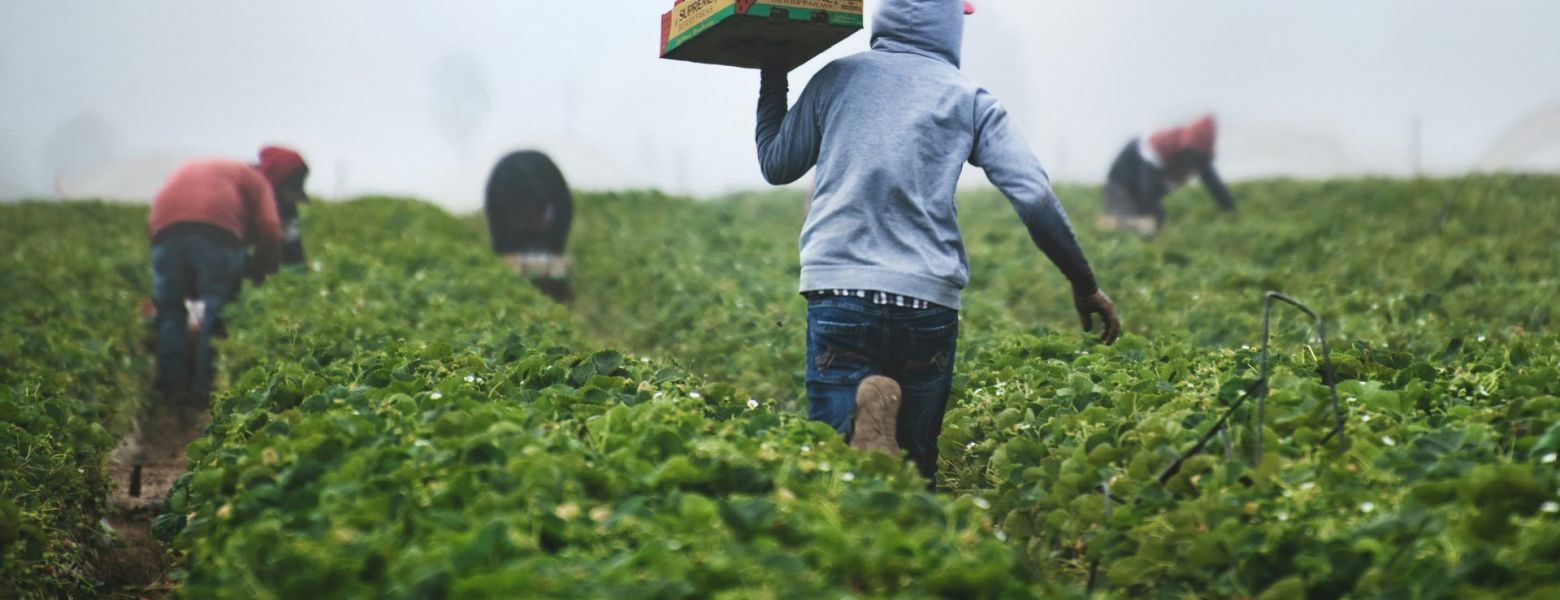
(207, 213)
(1151, 167)
(285, 169)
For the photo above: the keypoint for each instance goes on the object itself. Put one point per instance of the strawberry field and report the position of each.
(413, 421)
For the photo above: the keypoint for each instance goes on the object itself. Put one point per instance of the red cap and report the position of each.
(276, 163)
(969, 9)
(1200, 135)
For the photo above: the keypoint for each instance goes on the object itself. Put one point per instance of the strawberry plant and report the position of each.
(408, 422)
(72, 371)
(411, 420)
(1434, 327)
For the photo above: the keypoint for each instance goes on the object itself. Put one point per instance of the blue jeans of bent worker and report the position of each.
(850, 339)
(191, 266)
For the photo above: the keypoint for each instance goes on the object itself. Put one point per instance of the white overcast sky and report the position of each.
(104, 96)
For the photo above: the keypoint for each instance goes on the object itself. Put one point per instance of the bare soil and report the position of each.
(147, 462)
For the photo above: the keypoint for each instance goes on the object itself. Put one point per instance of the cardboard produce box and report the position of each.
(697, 30)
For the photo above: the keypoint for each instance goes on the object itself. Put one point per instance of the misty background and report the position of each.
(102, 98)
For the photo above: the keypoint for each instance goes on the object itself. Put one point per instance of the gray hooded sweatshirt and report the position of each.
(889, 131)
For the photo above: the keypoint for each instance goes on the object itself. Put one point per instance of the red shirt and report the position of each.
(225, 193)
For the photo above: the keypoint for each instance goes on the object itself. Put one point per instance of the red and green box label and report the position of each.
(691, 20)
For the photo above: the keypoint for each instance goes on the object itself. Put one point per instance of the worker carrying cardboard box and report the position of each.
(200, 224)
(883, 262)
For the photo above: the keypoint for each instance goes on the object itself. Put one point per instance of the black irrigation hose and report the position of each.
(135, 481)
(1218, 426)
(1327, 372)
(1259, 389)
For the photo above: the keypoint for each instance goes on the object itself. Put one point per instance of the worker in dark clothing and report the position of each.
(1151, 167)
(287, 172)
(529, 211)
(200, 224)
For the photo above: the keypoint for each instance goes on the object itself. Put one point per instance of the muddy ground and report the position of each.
(147, 462)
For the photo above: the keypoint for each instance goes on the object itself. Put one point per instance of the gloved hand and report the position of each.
(1100, 304)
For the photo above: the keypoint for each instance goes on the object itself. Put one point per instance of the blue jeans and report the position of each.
(850, 339)
(199, 267)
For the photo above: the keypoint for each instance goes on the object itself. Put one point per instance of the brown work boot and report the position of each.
(877, 415)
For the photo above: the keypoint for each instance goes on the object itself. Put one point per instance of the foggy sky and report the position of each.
(422, 98)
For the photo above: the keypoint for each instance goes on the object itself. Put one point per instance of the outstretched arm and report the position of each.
(1216, 188)
(1011, 165)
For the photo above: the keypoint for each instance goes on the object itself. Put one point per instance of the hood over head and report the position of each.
(931, 28)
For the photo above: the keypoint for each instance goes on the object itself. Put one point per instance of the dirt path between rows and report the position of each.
(147, 462)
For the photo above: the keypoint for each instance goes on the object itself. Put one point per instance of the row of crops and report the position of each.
(431, 437)
(1446, 373)
(411, 421)
(1440, 297)
(72, 372)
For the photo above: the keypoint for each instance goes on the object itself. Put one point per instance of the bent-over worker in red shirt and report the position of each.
(207, 213)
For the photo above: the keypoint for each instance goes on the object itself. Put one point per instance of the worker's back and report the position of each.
(896, 126)
(529, 206)
(225, 194)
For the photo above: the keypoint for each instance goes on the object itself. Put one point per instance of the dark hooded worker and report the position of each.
(883, 262)
(207, 213)
(1152, 166)
(287, 172)
(529, 211)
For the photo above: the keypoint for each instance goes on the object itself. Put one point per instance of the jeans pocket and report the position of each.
(837, 352)
(928, 361)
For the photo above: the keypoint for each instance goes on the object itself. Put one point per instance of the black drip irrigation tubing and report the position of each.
(1218, 427)
(1259, 390)
(1327, 370)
